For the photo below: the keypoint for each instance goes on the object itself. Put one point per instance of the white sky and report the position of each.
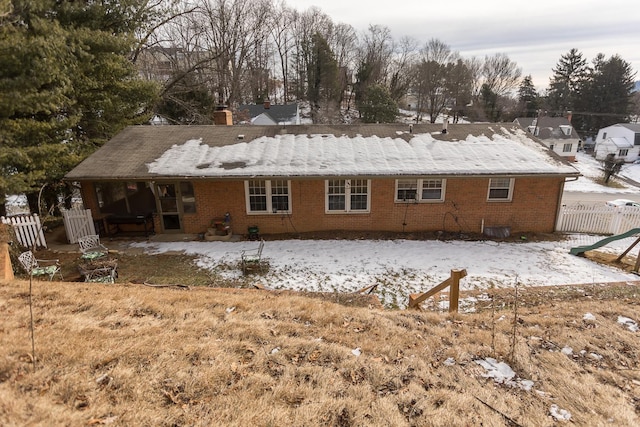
(533, 34)
(401, 267)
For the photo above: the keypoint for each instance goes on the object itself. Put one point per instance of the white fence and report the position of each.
(27, 229)
(78, 223)
(597, 219)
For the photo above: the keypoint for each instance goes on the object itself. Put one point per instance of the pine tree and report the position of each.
(67, 86)
(607, 96)
(528, 98)
(377, 105)
(569, 77)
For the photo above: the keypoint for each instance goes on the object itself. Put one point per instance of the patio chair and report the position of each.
(251, 260)
(101, 275)
(33, 266)
(91, 247)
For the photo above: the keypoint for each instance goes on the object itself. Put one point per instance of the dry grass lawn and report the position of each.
(129, 354)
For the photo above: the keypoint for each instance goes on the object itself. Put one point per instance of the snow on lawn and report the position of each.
(401, 267)
(591, 169)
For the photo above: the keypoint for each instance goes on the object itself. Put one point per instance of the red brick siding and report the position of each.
(532, 209)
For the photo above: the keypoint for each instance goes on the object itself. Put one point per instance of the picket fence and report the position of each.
(27, 229)
(597, 219)
(77, 223)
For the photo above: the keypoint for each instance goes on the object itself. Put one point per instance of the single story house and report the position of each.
(310, 178)
(622, 140)
(269, 114)
(557, 133)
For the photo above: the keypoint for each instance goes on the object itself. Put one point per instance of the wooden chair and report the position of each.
(32, 265)
(91, 247)
(251, 260)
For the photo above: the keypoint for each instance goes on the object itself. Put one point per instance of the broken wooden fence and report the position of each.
(454, 281)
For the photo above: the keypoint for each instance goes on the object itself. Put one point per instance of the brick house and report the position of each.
(395, 178)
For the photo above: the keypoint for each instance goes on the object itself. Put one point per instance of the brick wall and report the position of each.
(533, 208)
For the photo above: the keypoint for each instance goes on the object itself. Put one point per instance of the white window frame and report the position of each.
(498, 183)
(624, 152)
(567, 148)
(269, 194)
(419, 188)
(347, 196)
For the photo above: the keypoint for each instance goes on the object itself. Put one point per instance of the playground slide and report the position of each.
(579, 250)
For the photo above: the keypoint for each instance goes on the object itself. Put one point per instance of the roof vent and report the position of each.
(240, 137)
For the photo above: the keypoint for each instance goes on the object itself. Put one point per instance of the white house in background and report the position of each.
(554, 132)
(622, 140)
(269, 114)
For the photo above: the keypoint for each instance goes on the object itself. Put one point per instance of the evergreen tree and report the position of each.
(66, 85)
(377, 105)
(569, 77)
(607, 96)
(528, 98)
(323, 89)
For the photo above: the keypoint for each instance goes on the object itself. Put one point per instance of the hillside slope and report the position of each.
(137, 355)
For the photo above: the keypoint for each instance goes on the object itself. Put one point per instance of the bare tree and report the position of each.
(234, 29)
(501, 75)
(434, 76)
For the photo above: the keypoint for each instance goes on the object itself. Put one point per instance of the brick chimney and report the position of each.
(222, 116)
(267, 104)
(569, 116)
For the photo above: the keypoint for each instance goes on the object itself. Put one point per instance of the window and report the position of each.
(123, 198)
(604, 136)
(623, 153)
(267, 196)
(500, 189)
(188, 197)
(636, 139)
(347, 195)
(566, 148)
(422, 190)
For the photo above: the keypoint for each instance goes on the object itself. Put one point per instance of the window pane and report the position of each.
(499, 188)
(258, 196)
(432, 189)
(358, 202)
(188, 197)
(258, 203)
(496, 193)
(337, 202)
(111, 197)
(407, 189)
(280, 203)
(337, 186)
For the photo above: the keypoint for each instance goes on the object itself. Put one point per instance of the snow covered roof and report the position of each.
(319, 151)
(619, 142)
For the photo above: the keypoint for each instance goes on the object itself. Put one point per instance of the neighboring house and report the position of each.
(554, 132)
(622, 140)
(314, 178)
(269, 114)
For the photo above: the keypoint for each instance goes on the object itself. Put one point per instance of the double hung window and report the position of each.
(268, 196)
(347, 195)
(500, 189)
(421, 190)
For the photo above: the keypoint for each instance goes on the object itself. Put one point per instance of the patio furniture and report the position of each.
(251, 260)
(33, 266)
(99, 270)
(91, 247)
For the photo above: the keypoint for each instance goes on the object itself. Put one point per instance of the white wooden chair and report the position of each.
(33, 266)
(91, 247)
(251, 260)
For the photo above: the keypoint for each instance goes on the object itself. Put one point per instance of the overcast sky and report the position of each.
(534, 34)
